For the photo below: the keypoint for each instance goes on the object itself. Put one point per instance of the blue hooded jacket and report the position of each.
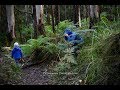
(73, 37)
(16, 53)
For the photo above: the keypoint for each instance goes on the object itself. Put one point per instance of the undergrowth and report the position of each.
(90, 65)
(91, 61)
(42, 49)
(9, 72)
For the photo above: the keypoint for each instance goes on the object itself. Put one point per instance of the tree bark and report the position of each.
(70, 16)
(39, 16)
(79, 16)
(26, 14)
(6, 39)
(65, 13)
(53, 23)
(88, 10)
(48, 14)
(41, 23)
(93, 16)
(75, 10)
(85, 12)
(35, 22)
(97, 12)
(57, 14)
(10, 19)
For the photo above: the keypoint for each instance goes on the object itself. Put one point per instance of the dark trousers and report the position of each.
(17, 61)
(75, 53)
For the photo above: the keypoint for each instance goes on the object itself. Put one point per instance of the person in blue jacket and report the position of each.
(17, 53)
(73, 38)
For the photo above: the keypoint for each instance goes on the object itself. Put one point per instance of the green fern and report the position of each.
(51, 47)
(62, 67)
(34, 43)
(41, 49)
(69, 59)
(27, 49)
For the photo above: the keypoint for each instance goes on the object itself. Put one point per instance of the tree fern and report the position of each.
(43, 40)
(70, 59)
(34, 43)
(27, 49)
(52, 48)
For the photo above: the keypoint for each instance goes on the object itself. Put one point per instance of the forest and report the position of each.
(47, 57)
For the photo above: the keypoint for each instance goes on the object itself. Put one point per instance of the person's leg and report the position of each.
(74, 53)
(75, 48)
(21, 62)
(17, 61)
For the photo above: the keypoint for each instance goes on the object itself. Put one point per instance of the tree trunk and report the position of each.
(26, 14)
(74, 14)
(79, 16)
(75, 10)
(48, 14)
(10, 20)
(57, 14)
(38, 8)
(97, 12)
(39, 16)
(88, 10)
(42, 21)
(85, 11)
(53, 23)
(35, 22)
(65, 13)
(6, 39)
(70, 16)
(93, 14)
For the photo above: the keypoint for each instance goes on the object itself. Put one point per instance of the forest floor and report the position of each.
(42, 74)
(37, 75)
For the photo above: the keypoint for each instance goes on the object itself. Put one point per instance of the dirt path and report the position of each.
(42, 74)
(36, 75)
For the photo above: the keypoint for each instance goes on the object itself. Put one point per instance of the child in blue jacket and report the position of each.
(72, 37)
(16, 53)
